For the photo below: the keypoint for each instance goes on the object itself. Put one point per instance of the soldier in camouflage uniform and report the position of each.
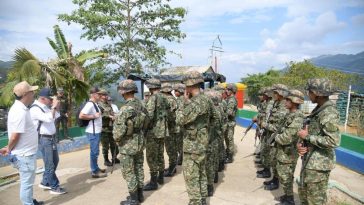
(322, 137)
(128, 133)
(195, 117)
(231, 112)
(170, 140)
(179, 90)
(224, 116)
(274, 121)
(107, 140)
(63, 109)
(261, 107)
(286, 139)
(212, 160)
(157, 107)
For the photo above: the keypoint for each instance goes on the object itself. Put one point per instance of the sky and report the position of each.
(256, 35)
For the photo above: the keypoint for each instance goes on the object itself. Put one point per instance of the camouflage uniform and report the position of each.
(179, 129)
(195, 117)
(170, 140)
(63, 119)
(231, 112)
(107, 140)
(286, 140)
(323, 137)
(128, 133)
(157, 106)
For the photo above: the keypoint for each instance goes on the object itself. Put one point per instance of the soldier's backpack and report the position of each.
(82, 122)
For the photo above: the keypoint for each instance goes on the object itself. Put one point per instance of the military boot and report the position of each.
(116, 161)
(107, 161)
(280, 198)
(265, 174)
(161, 177)
(270, 181)
(170, 171)
(216, 179)
(272, 186)
(132, 199)
(140, 195)
(260, 171)
(289, 200)
(229, 158)
(203, 201)
(221, 166)
(210, 190)
(152, 185)
(180, 159)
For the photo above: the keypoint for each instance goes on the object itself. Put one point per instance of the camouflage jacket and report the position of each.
(262, 107)
(157, 107)
(171, 113)
(287, 137)
(323, 137)
(231, 108)
(63, 105)
(128, 132)
(215, 128)
(179, 101)
(276, 117)
(194, 117)
(106, 112)
(224, 115)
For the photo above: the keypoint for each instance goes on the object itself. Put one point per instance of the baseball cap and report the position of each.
(22, 88)
(94, 90)
(46, 92)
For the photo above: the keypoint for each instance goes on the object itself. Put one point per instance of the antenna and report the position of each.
(215, 48)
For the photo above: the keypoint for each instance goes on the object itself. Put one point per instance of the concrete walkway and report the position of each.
(238, 184)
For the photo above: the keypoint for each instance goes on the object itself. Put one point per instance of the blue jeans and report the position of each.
(49, 151)
(26, 167)
(94, 140)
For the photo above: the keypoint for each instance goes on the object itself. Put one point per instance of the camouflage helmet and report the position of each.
(153, 83)
(103, 92)
(232, 87)
(262, 91)
(320, 86)
(192, 78)
(127, 86)
(296, 96)
(179, 87)
(281, 89)
(218, 87)
(166, 87)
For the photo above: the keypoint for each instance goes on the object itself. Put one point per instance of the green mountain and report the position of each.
(4, 68)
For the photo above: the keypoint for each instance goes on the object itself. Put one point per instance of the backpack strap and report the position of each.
(39, 122)
(93, 120)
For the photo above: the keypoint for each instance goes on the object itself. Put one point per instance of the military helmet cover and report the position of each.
(296, 96)
(281, 89)
(192, 78)
(127, 86)
(320, 86)
(153, 83)
(179, 87)
(232, 87)
(166, 87)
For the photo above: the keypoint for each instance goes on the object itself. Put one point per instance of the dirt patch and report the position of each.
(337, 197)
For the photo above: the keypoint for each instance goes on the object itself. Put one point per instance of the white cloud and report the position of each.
(256, 18)
(358, 19)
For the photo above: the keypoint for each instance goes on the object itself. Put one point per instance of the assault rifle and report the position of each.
(247, 130)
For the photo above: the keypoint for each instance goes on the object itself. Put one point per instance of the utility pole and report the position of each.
(215, 48)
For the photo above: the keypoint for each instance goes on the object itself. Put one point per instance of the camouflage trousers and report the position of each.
(62, 120)
(221, 149)
(265, 154)
(179, 142)
(108, 142)
(273, 160)
(171, 148)
(286, 176)
(194, 172)
(313, 191)
(212, 161)
(155, 154)
(229, 138)
(132, 170)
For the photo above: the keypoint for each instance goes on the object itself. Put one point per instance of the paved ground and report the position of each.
(238, 184)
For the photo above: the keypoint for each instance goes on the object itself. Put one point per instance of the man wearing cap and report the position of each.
(195, 118)
(23, 140)
(231, 111)
(286, 139)
(91, 111)
(157, 106)
(321, 136)
(107, 140)
(44, 113)
(63, 110)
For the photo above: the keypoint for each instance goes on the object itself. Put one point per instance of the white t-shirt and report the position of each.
(89, 109)
(115, 108)
(48, 127)
(19, 121)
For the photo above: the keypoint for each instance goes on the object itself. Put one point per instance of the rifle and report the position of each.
(305, 158)
(247, 130)
(113, 159)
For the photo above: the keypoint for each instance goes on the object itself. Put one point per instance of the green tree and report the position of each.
(136, 29)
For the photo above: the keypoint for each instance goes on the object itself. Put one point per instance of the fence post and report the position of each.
(347, 109)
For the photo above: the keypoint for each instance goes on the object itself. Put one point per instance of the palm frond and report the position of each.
(62, 47)
(54, 46)
(7, 95)
(89, 55)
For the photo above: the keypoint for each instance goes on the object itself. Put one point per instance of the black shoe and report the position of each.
(265, 174)
(258, 161)
(257, 157)
(180, 159)
(229, 158)
(161, 177)
(259, 165)
(203, 201)
(258, 154)
(210, 190)
(140, 195)
(260, 171)
(131, 200)
(107, 163)
(270, 181)
(152, 185)
(35, 202)
(221, 166)
(280, 198)
(272, 186)
(216, 179)
(289, 200)
(170, 171)
(116, 161)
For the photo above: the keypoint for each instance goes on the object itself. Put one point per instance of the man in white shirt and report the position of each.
(44, 116)
(91, 112)
(23, 141)
(114, 107)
